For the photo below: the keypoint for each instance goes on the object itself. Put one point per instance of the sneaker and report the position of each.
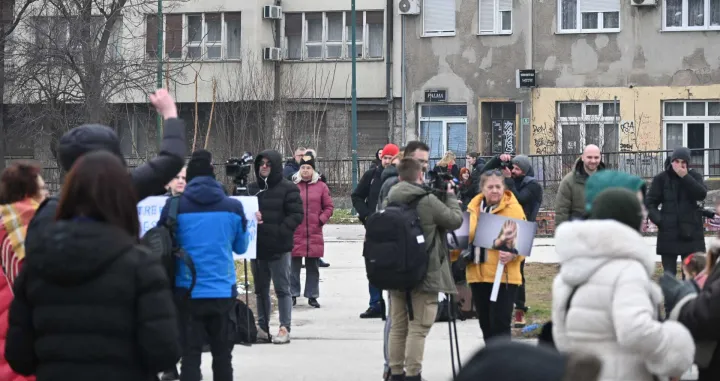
(313, 302)
(322, 263)
(172, 375)
(283, 336)
(263, 337)
(294, 300)
(520, 319)
(372, 313)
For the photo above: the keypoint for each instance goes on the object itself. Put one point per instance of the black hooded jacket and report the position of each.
(149, 179)
(91, 304)
(280, 205)
(366, 194)
(526, 189)
(680, 223)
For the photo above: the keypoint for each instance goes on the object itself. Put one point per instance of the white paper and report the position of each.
(496, 284)
(420, 239)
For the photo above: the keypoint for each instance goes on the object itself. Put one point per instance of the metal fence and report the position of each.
(549, 169)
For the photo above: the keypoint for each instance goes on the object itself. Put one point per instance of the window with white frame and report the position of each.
(588, 16)
(60, 36)
(695, 125)
(691, 15)
(328, 35)
(583, 123)
(444, 128)
(438, 18)
(495, 16)
(196, 36)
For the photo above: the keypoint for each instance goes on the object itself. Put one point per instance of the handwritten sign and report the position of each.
(150, 208)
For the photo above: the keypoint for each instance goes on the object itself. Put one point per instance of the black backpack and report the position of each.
(396, 255)
(161, 239)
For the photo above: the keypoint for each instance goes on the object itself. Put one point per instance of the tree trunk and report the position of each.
(2, 96)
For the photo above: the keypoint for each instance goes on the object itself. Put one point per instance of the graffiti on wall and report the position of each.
(509, 134)
(628, 136)
(543, 137)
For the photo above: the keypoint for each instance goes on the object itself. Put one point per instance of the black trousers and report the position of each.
(495, 317)
(669, 263)
(520, 299)
(210, 319)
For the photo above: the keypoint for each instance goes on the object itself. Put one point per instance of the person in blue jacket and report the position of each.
(210, 227)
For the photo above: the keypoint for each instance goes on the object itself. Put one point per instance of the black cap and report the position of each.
(200, 164)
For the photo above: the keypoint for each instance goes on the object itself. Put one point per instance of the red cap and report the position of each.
(390, 150)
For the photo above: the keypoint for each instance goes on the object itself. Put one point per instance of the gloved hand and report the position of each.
(674, 290)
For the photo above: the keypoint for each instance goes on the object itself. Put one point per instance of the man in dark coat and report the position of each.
(292, 166)
(280, 213)
(364, 200)
(678, 190)
(476, 164)
(149, 179)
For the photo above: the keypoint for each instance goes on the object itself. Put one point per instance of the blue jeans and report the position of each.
(375, 296)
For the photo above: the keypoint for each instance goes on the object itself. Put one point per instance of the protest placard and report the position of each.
(150, 208)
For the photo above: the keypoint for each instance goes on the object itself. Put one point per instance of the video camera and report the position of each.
(506, 165)
(239, 170)
(439, 181)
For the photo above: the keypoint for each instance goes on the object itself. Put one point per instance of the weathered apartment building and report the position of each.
(550, 76)
(271, 73)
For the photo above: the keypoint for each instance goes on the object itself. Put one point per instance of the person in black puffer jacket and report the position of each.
(92, 303)
(281, 212)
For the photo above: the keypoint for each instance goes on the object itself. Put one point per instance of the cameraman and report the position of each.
(518, 172)
(407, 337)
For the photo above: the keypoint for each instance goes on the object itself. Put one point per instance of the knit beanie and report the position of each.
(618, 204)
(308, 159)
(681, 153)
(607, 179)
(523, 162)
(200, 164)
(390, 150)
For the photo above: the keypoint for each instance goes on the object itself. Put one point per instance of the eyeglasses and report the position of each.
(266, 164)
(493, 172)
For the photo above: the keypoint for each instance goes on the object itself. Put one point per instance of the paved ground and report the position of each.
(332, 343)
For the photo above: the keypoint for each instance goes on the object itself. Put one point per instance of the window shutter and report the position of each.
(505, 5)
(599, 5)
(173, 34)
(151, 36)
(487, 16)
(439, 16)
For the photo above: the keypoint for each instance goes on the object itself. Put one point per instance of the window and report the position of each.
(65, 34)
(583, 123)
(588, 16)
(438, 18)
(197, 36)
(695, 125)
(328, 35)
(444, 128)
(495, 17)
(132, 133)
(691, 15)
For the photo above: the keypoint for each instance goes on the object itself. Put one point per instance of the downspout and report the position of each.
(390, 11)
(530, 63)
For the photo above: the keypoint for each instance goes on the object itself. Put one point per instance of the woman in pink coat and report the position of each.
(309, 242)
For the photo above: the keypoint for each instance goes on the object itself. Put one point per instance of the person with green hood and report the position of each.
(614, 179)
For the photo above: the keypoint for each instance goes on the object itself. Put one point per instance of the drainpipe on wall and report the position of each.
(402, 77)
(529, 61)
(388, 69)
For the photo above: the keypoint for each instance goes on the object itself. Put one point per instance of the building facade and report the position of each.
(628, 75)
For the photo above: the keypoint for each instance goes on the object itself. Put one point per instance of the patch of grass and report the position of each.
(538, 294)
(343, 217)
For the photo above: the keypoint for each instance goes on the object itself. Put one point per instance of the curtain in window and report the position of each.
(314, 27)
(568, 16)
(673, 12)
(696, 12)
(673, 135)
(293, 34)
(439, 16)
(487, 16)
(375, 34)
(714, 155)
(431, 134)
(335, 26)
(457, 138)
(232, 20)
(714, 12)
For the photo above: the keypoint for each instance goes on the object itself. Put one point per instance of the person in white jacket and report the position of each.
(604, 300)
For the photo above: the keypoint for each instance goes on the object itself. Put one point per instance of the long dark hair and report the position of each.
(99, 187)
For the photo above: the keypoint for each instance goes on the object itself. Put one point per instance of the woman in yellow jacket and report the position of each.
(495, 317)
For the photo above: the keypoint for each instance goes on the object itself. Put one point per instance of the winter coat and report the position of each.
(526, 189)
(366, 195)
(570, 199)
(149, 179)
(291, 168)
(614, 311)
(680, 222)
(15, 219)
(388, 178)
(318, 208)
(281, 208)
(436, 218)
(485, 272)
(700, 313)
(92, 304)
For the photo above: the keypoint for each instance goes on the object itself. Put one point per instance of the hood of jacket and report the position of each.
(388, 172)
(15, 220)
(75, 252)
(610, 179)
(204, 190)
(585, 246)
(296, 178)
(275, 171)
(405, 192)
(86, 138)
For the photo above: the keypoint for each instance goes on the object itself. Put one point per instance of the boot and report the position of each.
(414, 378)
(519, 319)
(398, 377)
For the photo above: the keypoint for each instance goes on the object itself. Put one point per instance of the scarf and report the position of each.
(15, 220)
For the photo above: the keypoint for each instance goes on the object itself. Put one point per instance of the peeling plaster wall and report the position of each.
(640, 112)
(469, 66)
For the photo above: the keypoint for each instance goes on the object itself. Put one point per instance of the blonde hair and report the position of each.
(398, 157)
(447, 158)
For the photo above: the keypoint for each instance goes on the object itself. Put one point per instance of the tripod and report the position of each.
(242, 190)
(452, 330)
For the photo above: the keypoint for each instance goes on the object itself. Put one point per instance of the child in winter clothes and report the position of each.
(694, 269)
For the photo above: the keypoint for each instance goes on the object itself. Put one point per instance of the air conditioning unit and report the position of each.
(641, 3)
(409, 7)
(272, 54)
(272, 12)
